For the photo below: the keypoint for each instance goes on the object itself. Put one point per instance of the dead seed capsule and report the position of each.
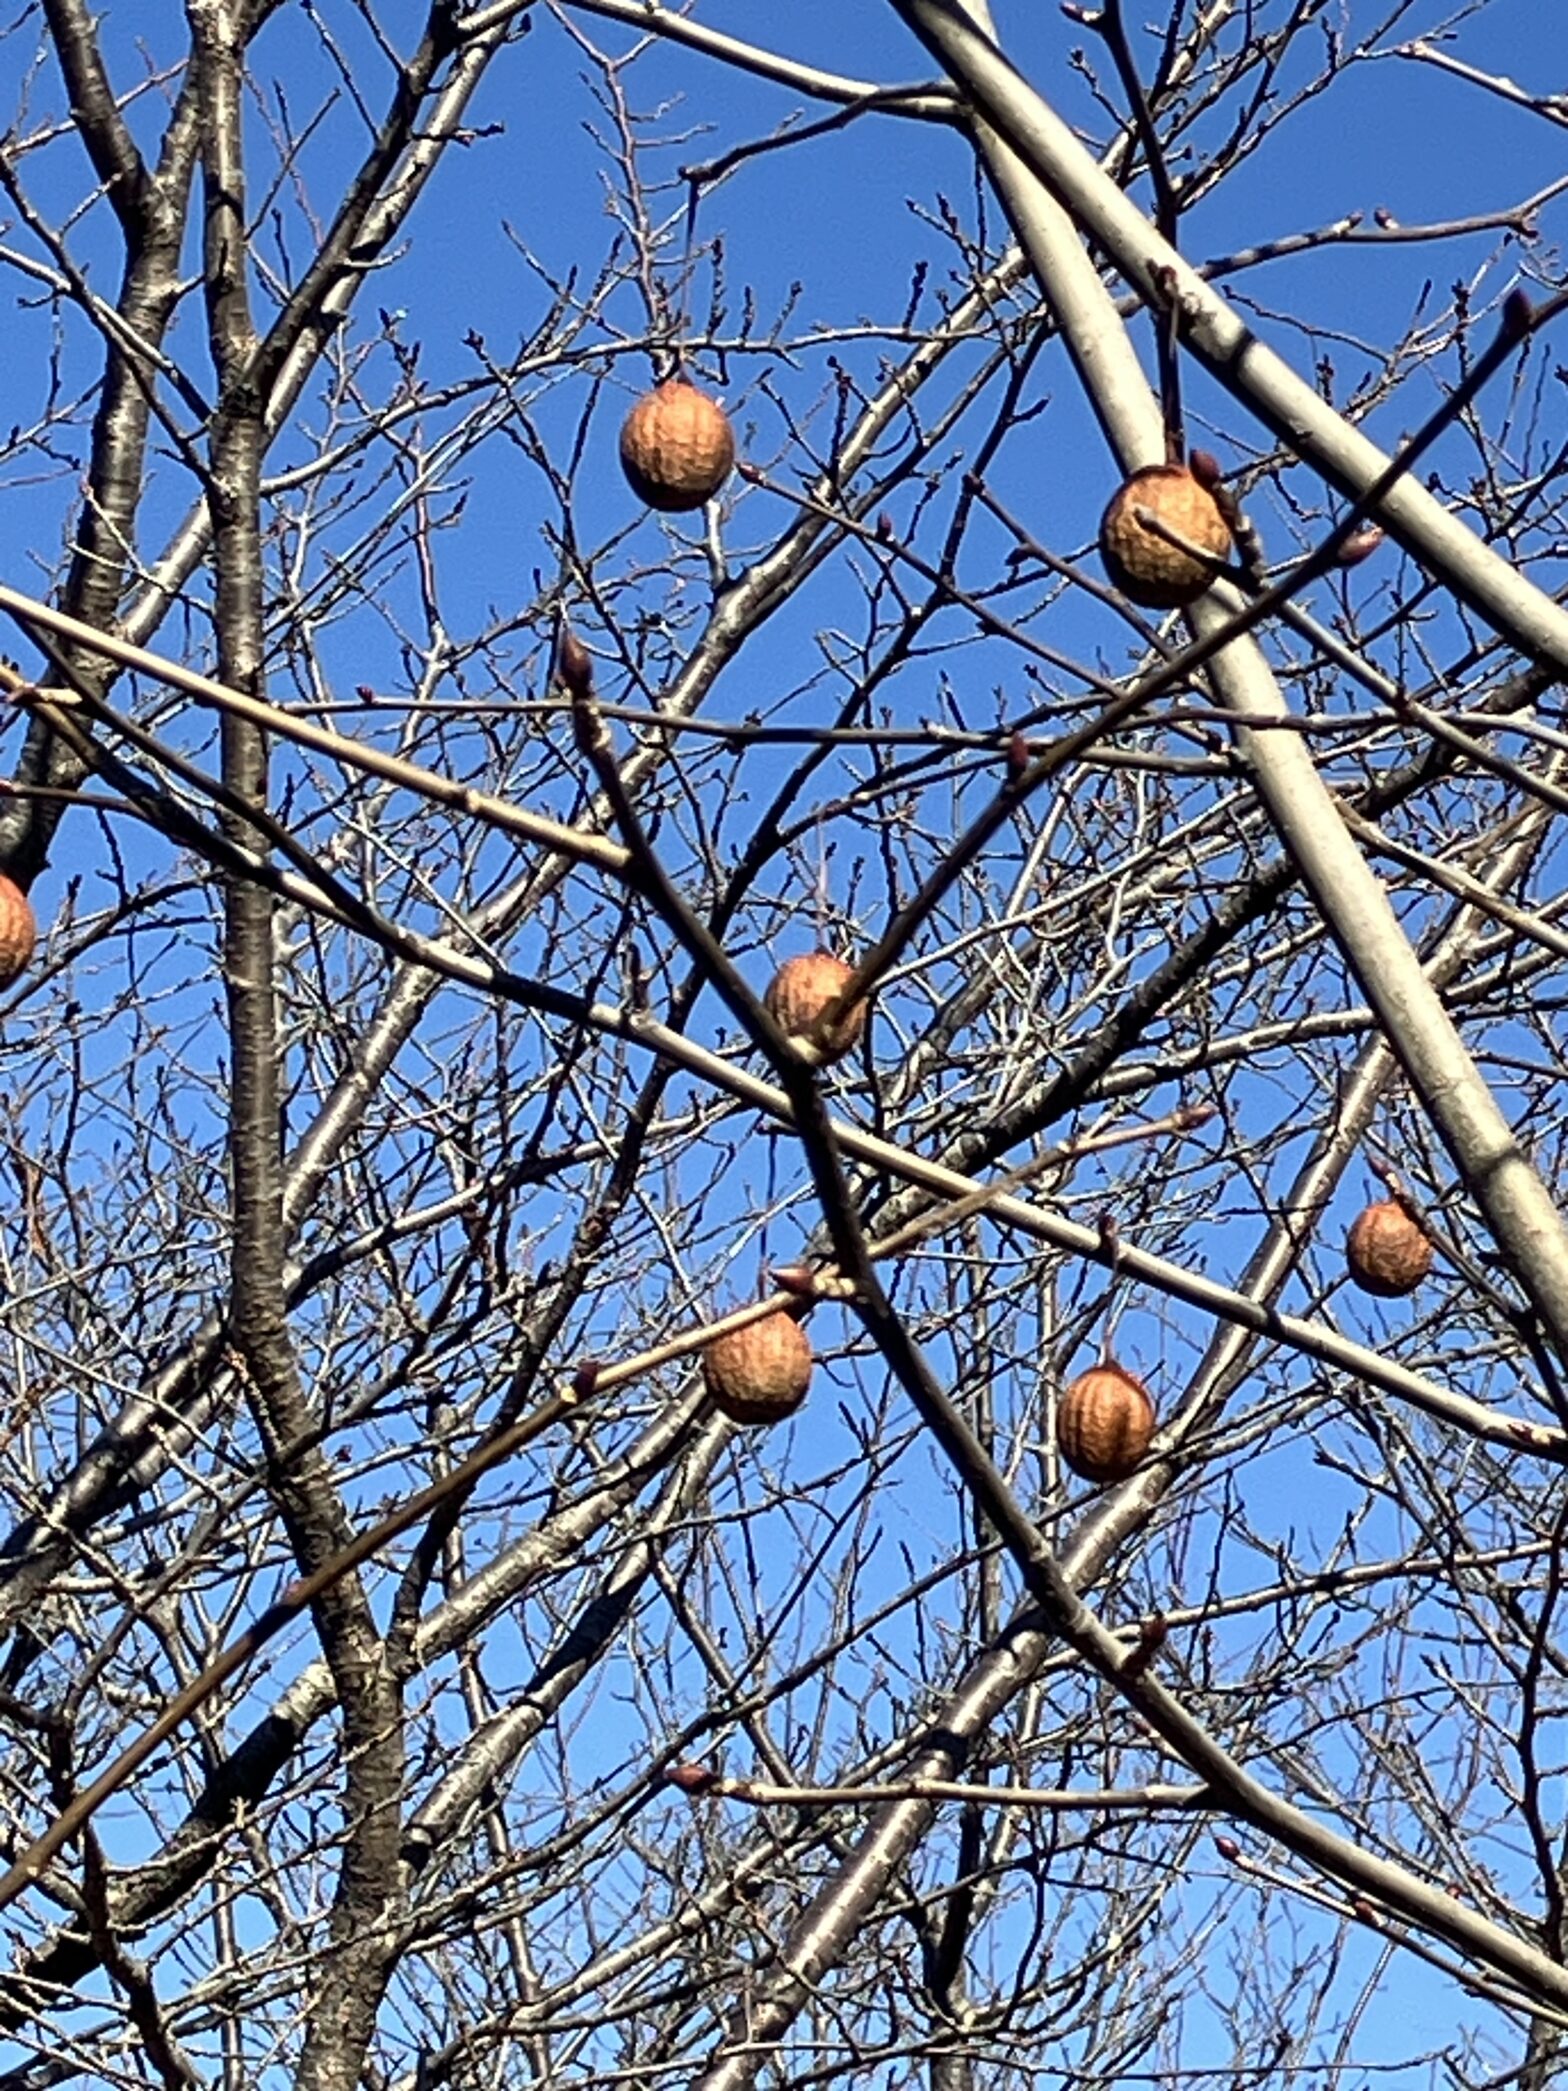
(1104, 1422)
(676, 447)
(18, 930)
(1147, 567)
(801, 990)
(759, 1373)
(1386, 1252)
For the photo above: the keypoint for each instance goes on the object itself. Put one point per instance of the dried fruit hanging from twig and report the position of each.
(1387, 1252)
(759, 1373)
(1146, 566)
(1104, 1422)
(802, 990)
(676, 447)
(18, 930)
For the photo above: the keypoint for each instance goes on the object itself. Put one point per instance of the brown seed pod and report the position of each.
(1104, 1422)
(759, 1374)
(676, 447)
(799, 992)
(1146, 567)
(1386, 1252)
(18, 930)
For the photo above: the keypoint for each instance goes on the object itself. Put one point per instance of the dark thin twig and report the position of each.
(1108, 21)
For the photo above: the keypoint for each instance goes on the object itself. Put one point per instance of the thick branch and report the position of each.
(104, 132)
(354, 1972)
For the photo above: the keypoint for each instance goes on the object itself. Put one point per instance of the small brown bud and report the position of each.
(1206, 468)
(1518, 314)
(695, 1779)
(1228, 1848)
(572, 664)
(1017, 755)
(1191, 1116)
(1366, 541)
(585, 1380)
(1151, 1639)
(798, 1278)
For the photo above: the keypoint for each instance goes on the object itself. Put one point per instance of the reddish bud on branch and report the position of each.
(1151, 1639)
(572, 664)
(1365, 542)
(693, 1779)
(1206, 468)
(1518, 314)
(797, 1278)
(1190, 1116)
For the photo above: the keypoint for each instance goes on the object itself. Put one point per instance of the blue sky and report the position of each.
(847, 217)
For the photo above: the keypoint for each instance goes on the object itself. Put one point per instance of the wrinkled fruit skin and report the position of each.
(18, 930)
(1386, 1252)
(799, 992)
(759, 1374)
(1104, 1422)
(676, 448)
(1146, 568)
